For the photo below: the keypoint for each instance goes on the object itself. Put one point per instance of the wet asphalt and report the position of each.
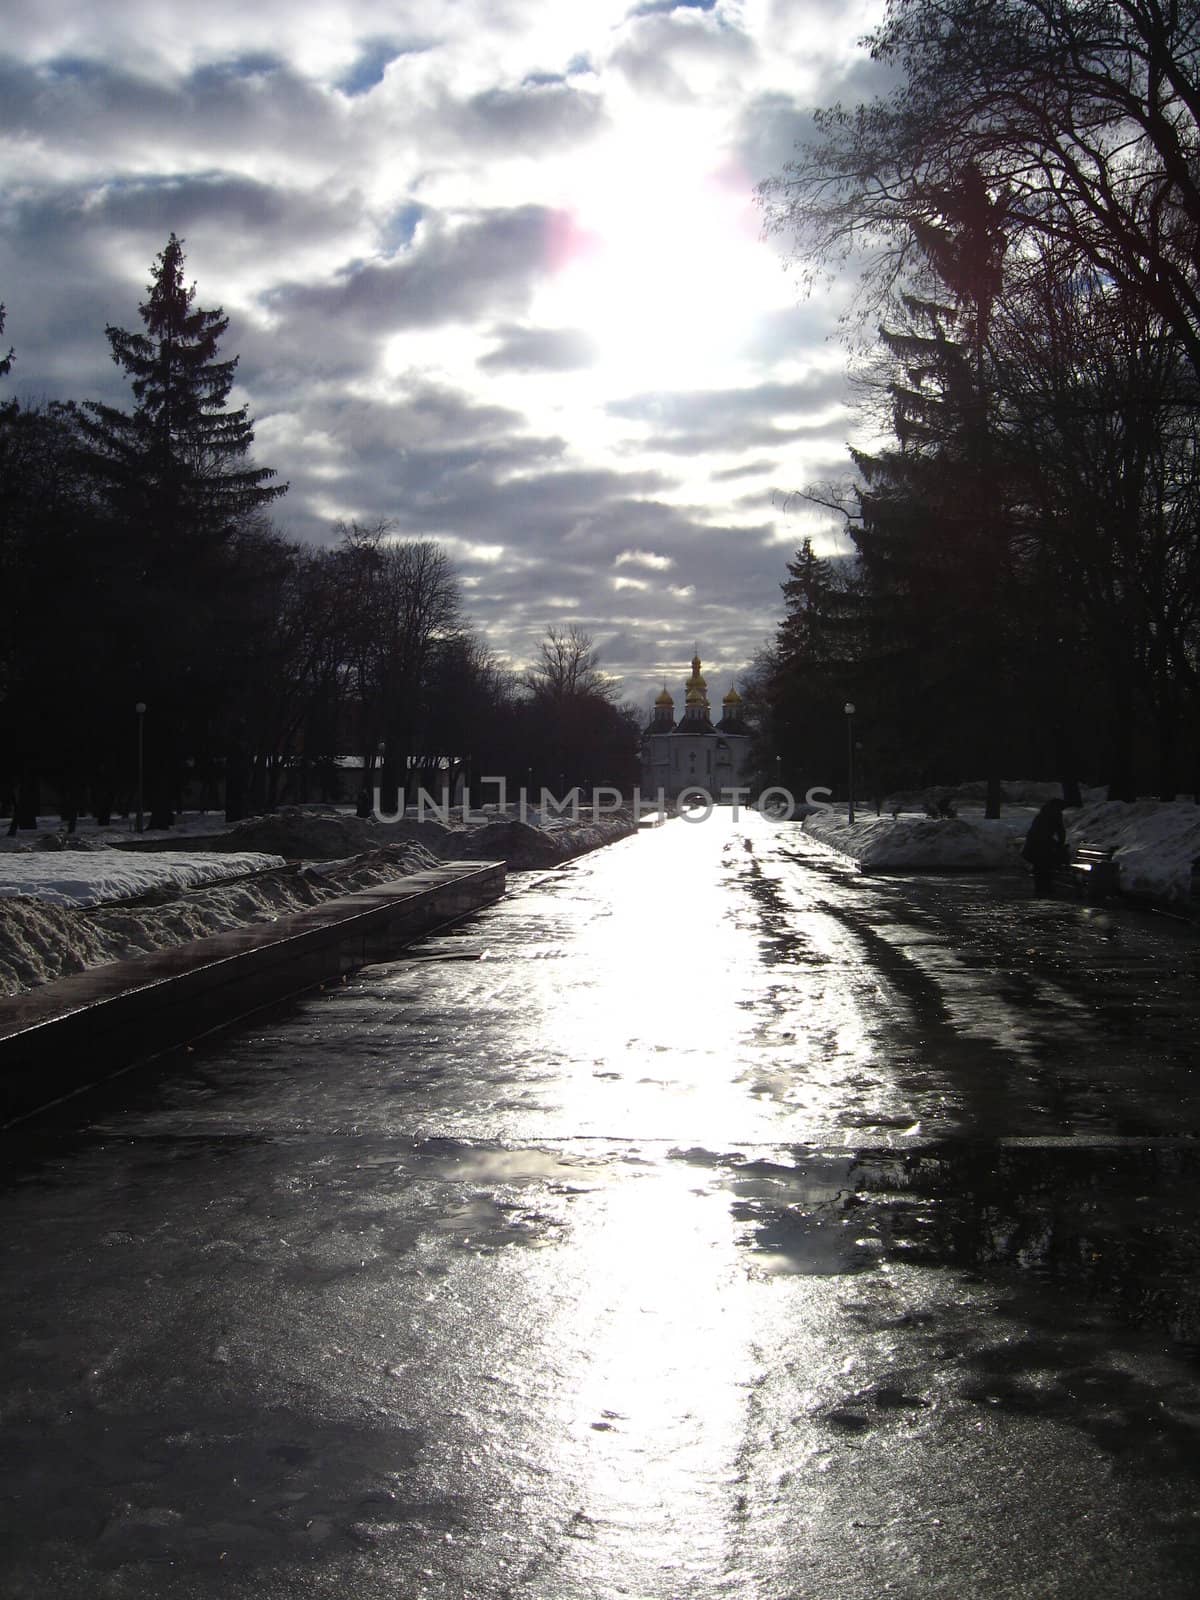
(703, 1220)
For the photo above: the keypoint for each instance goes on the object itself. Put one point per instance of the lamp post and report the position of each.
(140, 708)
(848, 708)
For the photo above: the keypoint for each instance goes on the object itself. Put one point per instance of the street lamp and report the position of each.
(848, 708)
(140, 708)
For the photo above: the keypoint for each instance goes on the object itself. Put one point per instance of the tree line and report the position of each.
(158, 623)
(1020, 590)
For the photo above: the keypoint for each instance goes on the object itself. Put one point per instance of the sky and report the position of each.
(494, 270)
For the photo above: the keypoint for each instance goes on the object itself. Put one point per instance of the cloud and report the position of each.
(457, 269)
(375, 56)
(748, 469)
(770, 127)
(529, 118)
(100, 114)
(772, 124)
(523, 349)
(644, 558)
(650, 8)
(684, 53)
(392, 215)
(729, 420)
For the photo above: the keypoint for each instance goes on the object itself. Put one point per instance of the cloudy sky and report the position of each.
(494, 271)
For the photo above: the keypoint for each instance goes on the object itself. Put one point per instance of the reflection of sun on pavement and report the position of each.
(656, 1422)
(655, 1023)
(709, 999)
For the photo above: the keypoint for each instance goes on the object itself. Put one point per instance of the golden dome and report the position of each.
(664, 699)
(733, 698)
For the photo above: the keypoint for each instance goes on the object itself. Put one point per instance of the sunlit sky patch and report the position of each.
(494, 273)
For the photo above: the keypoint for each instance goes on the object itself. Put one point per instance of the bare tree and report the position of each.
(567, 667)
(1083, 115)
(405, 599)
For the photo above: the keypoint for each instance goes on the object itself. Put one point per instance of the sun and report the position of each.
(664, 268)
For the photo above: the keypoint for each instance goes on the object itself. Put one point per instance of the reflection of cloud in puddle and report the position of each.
(803, 1219)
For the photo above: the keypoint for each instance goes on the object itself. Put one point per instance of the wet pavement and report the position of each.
(704, 1220)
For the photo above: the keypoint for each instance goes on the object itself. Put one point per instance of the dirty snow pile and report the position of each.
(89, 877)
(525, 844)
(42, 939)
(312, 833)
(906, 843)
(1156, 843)
(74, 901)
(522, 840)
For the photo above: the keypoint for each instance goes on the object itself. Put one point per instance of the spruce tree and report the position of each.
(178, 499)
(179, 461)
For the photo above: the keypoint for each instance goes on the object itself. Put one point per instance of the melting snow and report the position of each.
(1156, 841)
(90, 877)
(69, 903)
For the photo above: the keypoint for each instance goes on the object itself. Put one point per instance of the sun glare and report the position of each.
(666, 271)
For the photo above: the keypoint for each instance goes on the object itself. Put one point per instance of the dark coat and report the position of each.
(1046, 841)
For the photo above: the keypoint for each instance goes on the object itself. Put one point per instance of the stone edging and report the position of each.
(74, 1031)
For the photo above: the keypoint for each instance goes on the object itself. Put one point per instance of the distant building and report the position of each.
(692, 752)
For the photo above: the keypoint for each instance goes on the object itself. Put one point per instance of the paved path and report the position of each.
(704, 1220)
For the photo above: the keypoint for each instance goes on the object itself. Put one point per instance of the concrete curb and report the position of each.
(74, 1031)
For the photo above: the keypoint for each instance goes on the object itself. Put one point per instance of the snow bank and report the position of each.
(1156, 843)
(90, 877)
(522, 846)
(908, 844)
(63, 908)
(973, 794)
(41, 940)
(305, 834)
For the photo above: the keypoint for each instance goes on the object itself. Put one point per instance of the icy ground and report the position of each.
(1156, 841)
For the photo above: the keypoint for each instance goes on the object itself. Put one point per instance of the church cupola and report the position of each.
(695, 703)
(663, 719)
(695, 695)
(731, 714)
(691, 753)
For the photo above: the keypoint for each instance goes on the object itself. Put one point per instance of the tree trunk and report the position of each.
(1167, 752)
(235, 784)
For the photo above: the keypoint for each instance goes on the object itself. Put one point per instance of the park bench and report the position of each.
(1093, 871)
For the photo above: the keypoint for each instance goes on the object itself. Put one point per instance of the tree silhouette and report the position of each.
(179, 459)
(1085, 115)
(173, 480)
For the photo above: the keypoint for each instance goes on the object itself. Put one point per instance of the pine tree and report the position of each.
(178, 500)
(178, 461)
(933, 534)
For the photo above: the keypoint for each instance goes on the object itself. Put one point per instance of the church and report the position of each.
(692, 752)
